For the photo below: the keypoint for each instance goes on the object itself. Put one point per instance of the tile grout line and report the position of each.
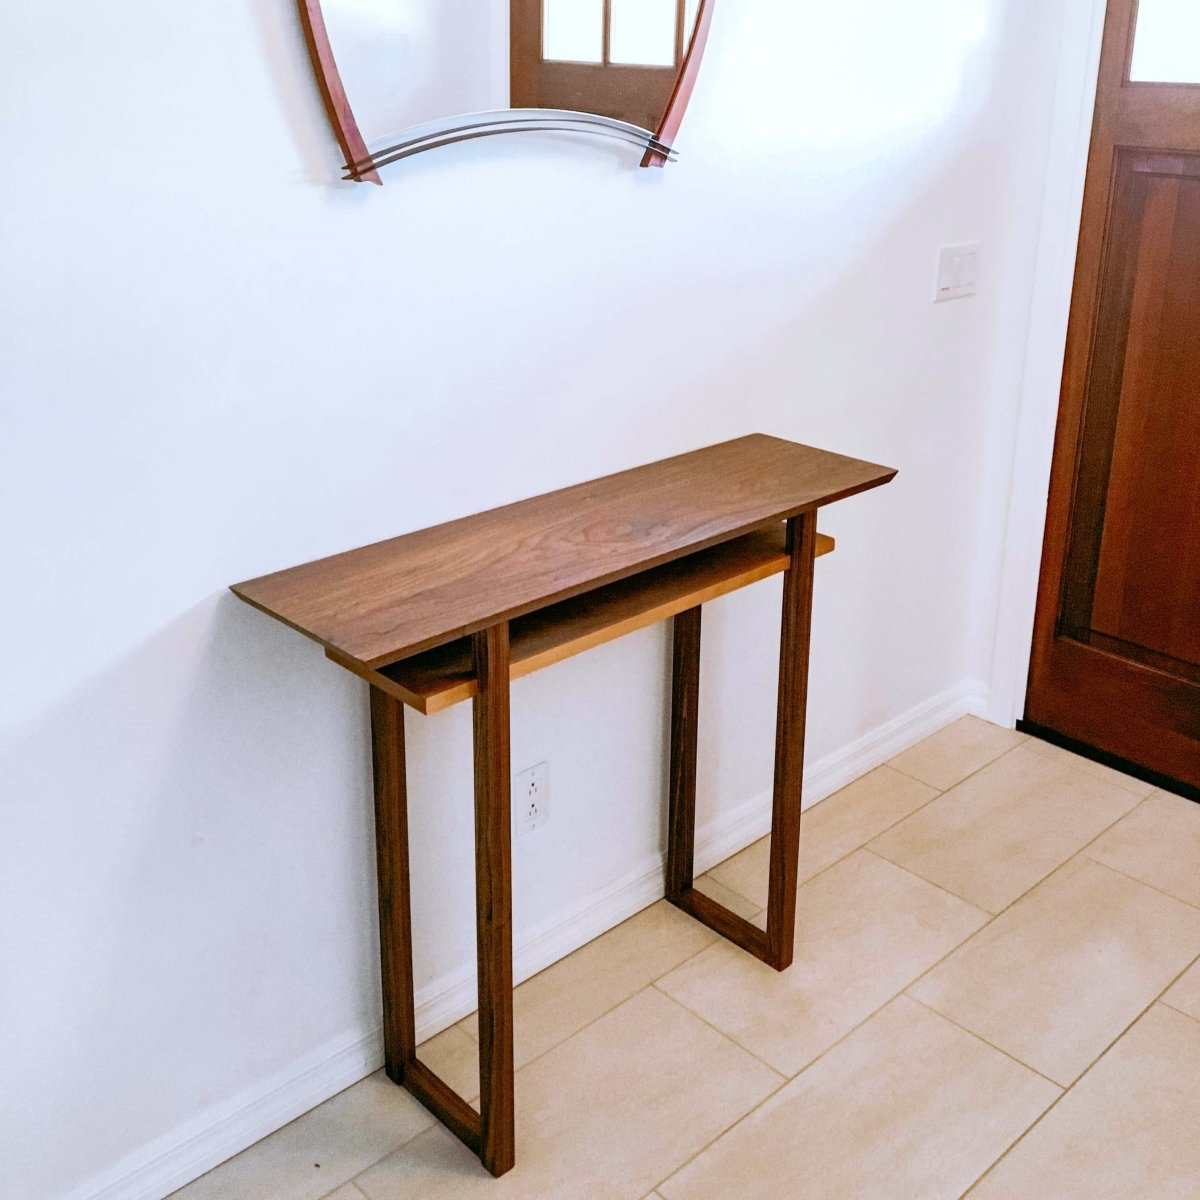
(784, 1080)
(350, 1184)
(833, 1046)
(716, 937)
(727, 1036)
(902, 992)
(987, 924)
(1062, 1087)
(837, 861)
(982, 767)
(941, 887)
(1174, 1009)
(786, 1083)
(1081, 852)
(1081, 1077)
(1143, 882)
(538, 1057)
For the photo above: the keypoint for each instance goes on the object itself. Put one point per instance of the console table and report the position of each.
(455, 612)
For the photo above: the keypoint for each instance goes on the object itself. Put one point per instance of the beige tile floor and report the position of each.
(996, 994)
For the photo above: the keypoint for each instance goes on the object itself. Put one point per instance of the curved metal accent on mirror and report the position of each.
(363, 164)
(509, 120)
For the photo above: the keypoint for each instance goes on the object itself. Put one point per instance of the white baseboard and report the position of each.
(228, 1128)
(217, 1134)
(836, 770)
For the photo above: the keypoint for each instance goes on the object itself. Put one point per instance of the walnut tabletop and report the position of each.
(396, 598)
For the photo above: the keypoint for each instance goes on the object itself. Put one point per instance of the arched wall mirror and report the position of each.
(403, 76)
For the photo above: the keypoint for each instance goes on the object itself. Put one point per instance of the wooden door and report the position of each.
(1116, 652)
(596, 80)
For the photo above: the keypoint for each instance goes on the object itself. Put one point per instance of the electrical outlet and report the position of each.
(531, 798)
(958, 272)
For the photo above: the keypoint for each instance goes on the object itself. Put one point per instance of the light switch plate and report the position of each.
(958, 272)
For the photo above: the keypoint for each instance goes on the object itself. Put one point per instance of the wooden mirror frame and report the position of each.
(362, 166)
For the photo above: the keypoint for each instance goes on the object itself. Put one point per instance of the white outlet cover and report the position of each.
(957, 272)
(531, 799)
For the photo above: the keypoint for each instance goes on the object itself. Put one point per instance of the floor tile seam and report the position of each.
(651, 986)
(726, 1036)
(980, 1038)
(599, 1017)
(1070, 766)
(937, 794)
(1134, 879)
(434, 1123)
(865, 845)
(941, 887)
(1157, 999)
(1082, 851)
(716, 1138)
(784, 1080)
(787, 1082)
(976, 933)
(958, 783)
(903, 991)
(1016, 900)
(1074, 854)
(722, 884)
(1025, 1133)
(349, 1183)
(915, 778)
(1176, 1009)
(637, 991)
(716, 940)
(1077, 1080)
(987, 924)
(841, 858)
(837, 862)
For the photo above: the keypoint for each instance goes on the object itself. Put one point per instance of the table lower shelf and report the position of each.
(444, 676)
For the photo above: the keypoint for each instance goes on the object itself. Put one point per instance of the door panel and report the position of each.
(599, 80)
(1116, 656)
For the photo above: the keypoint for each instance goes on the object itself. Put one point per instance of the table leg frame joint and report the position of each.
(775, 946)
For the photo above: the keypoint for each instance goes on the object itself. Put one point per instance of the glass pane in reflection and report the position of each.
(1167, 47)
(643, 32)
(690, 10)
(573, 31)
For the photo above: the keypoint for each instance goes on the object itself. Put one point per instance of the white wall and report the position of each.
(216, 362)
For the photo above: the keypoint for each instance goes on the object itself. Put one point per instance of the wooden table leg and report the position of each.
(395, 928)
(493, 890)
(395, 910)
(789, 740)
(685, 716)
(775, 946)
